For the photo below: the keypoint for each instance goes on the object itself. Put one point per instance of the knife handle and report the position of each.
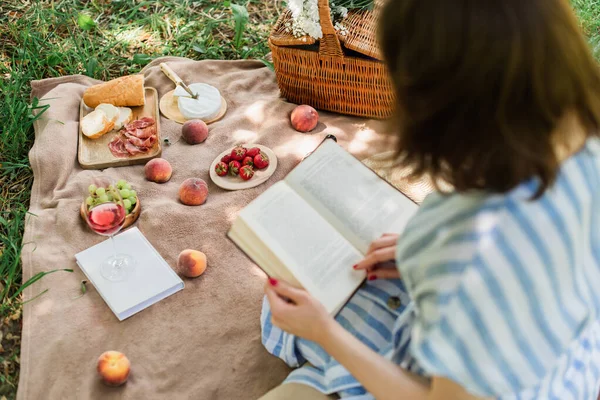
(172, 75)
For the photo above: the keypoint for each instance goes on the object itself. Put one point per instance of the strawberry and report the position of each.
(226, 158)
(234, 168)
(238, 153)
(246, 172)
(253, 152)
(248, 161)
(261, 160)
(221, 169)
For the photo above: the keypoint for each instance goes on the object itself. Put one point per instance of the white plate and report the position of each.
(229, 182)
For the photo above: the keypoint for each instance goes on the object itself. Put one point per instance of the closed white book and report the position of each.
(151, 281)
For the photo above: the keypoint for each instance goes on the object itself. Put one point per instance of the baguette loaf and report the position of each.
(126, 91)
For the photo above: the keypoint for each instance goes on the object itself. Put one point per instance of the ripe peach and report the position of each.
(194, 131)
(158, 170)
(193, 192)
(304, 118)
(191, 263)
(113, 367)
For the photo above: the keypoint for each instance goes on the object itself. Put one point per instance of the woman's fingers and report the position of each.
(285, 290)
(383, 273)
(376, 257)
(278, 305)
(387, 240)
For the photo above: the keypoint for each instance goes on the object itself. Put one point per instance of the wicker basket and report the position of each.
(322, 75)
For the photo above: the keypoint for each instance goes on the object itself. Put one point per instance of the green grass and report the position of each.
(588, 12)
(106, 39)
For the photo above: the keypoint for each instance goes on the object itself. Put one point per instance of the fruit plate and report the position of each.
(229, 182)
(129, 219)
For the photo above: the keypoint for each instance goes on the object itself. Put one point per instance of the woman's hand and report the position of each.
(297, 312)
(380, 261)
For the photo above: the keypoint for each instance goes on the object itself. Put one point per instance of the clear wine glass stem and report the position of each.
(112, 239)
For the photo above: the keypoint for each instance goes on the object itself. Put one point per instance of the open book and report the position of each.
(312, 227)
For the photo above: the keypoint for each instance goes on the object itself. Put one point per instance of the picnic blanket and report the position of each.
(203, 342)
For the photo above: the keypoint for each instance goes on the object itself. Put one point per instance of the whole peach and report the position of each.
(158, 170)
(193, 192)
(191, 263)
(304, 118)
(113, 367)
(194, 131)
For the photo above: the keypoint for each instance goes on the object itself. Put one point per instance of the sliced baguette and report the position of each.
(96, 124)
(112, 112)
(125, 116)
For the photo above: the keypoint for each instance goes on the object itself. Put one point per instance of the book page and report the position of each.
(355, 200)
(318, 256)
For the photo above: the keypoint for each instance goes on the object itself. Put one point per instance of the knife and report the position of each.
(176, 79)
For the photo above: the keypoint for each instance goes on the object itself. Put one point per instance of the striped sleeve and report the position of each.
(277, 342)
(487, 314)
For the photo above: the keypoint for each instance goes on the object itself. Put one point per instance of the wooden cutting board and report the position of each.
(95, 154)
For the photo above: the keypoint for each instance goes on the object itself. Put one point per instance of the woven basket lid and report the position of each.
(360, 33)
(361, 30)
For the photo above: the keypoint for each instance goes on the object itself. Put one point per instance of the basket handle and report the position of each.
(330, 44)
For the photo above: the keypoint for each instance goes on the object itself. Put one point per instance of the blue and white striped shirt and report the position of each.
(499, 293)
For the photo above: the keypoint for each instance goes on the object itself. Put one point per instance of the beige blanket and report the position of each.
(203, 342)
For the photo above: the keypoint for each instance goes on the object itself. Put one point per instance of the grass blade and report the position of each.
(240, 16)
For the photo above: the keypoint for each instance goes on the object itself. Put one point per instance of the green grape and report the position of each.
(128, 212)
(103, 198)
(132, 200)
(127, 204)
(124, 193)
(127, 186)
(111, 187)
(121, 184)
(92, 189)
(110, 196)
(100, 192)
(132, 193)
(89, 201)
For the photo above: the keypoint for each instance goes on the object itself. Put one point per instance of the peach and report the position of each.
(191, 263)
(193, 192)
(194, 131)
(113, 367)
(158, 170)
(304, 118)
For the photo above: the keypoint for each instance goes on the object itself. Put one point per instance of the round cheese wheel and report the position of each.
(206, 106)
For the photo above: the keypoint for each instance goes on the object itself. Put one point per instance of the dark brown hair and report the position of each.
(482, 85)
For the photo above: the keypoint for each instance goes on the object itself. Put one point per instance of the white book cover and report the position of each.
(151, 281)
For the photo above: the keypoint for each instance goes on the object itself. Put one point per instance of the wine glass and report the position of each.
(105, 214)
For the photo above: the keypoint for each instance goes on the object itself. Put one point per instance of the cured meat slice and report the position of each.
(133, 149)
(147, 143)
(140, 123)
(117, 147)
(135, 138)
(144, 133)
